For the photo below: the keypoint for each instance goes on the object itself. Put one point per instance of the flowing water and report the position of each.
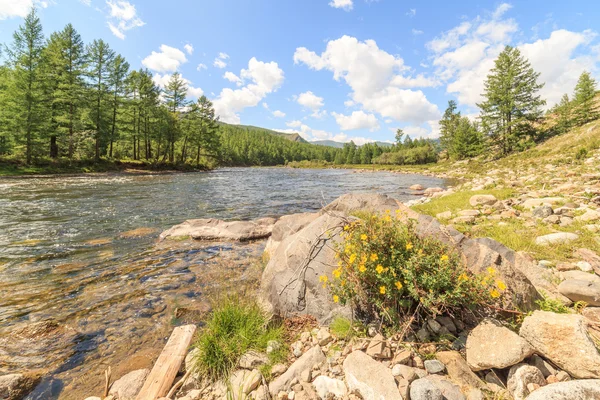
(84, 283)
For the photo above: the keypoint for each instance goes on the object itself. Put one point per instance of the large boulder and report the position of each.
(348, 203)
(17, 386)
(286, 226)
(492, 345)
(581, 290)
(572, 390)
(128, 386)
(556, 238)
(564, 340)
(218, 230)
(370, 378)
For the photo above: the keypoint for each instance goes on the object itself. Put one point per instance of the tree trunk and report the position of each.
(53, 147)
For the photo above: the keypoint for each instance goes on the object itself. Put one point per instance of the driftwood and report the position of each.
(166, 367)
(107, 376)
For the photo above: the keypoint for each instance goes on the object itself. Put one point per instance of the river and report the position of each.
(84, 284)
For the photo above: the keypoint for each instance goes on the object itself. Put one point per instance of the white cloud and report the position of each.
(310, 100)
(417, 32)
(162, 81)
(356, 120)
(200, 67)
(500, 10)
(349, 103)
(167, 60)
(264, 78)
(220, 60)
(278, 114)
(86, 2)
(412, 12)
(370, 72)
(122, 17)
(311, 134)
(294, 124)
(346, 5)
(231, 77)
(418, 81)
(18, 8)
(189, 49)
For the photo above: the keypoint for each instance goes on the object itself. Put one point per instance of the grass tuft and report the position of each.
(342, 328)
(459, 201)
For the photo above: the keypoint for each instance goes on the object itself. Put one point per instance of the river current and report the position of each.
(85, 284)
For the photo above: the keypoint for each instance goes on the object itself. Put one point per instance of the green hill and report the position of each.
(294, 137)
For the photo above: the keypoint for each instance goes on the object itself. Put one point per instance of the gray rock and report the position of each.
(297, 348)
(521, 375)
(324, 337)
(434, 366)
(128, 386)
(286, 226)
(369, 378)
(543, 365)
(215, 229)
(449, 390)
(573, 390)
(424, 389)
(253, 359)
(564, 340)
(556, 238)
(542, 211)
(325, 386)
(482, 200)
(581, 290)
(312, 357)
(491, 345)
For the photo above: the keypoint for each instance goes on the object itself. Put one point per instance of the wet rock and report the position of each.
(312, 357)
(491, 345)
(520, 376)
(369, 378)
(325, 386)
(417, 187)
(573, 390)
(482, 200)
(128, 386)
(17, 386)
(581, 290)
(214, 229)
(563, 339)
(424, 389)
(556, 238)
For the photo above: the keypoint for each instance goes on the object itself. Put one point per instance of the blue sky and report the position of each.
(334, 69)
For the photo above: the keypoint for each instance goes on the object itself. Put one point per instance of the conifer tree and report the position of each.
(467, 141)
(564, 115)
(175, 98)
(585, 92)
(448, 125)
(511, 100)
(117, 74)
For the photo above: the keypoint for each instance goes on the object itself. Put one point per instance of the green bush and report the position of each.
(386, 271)
(234, 327)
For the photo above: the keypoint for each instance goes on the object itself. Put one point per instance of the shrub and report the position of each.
(234, 327)
(386, 270)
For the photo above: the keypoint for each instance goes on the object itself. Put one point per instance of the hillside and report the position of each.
(294, 137)
(340, 145)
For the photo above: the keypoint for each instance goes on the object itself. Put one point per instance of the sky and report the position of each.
(334, 69)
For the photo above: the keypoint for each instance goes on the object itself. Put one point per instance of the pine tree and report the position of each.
(585, 92)
(117, 74)
(512, 102)
(448, 125)
(207, 137)
(25, 89)
(100, 58)
(399, 136)
(467, 140)
(564, 115)
(175, 99)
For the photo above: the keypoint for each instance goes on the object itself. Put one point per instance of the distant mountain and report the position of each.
(294, 137)
(339, 145)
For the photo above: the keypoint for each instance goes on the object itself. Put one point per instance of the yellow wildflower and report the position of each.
(382, 289)
(398, 285)
(352, 258)
(336, 298)
(491, 270)
(387, 218)
(337, 273)
(346, 227)
(379, 269)
(323, 278)
(463, 277)
(494, 293)
(374, 257)
(362, 268)
(388, 211)
(444, 258)
(409, 246)
(420, 252)
(501, 285)
(364, 237)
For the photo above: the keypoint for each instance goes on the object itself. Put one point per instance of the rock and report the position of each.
(542, 211)
(324, 337)
(312, 357)
(581, 290)
(552, 220)
(448, 323)
(581, 276)
(326, 386)
(408, 373)
(297, 348)
(469, 213)
(458, 371)
(449, 390)
(521, 375)
(197, 395)
(556, 238)
(584, 266)
(430, 191)
(273, 345)
(532, 203)
(128, 386)
(491, 345)
(573, 390)
(563, 339)
(463, 220)
(542, 365)
(369, 378)
(17, 386)
(482, 200)
(417, 187)
(434, 366)
(589, 216)
(243, 382)
(562, 376)
(378, 348)
(403, 387)
(286, 226)
(590, 257)
(403, 356)
(349, 203)
(423, 335)
(253, 359)
(444, 215)
(278, 369)
(424, 389)
(592, 314)
(215, 229)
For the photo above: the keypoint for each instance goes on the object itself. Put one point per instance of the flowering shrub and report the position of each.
(385, 270)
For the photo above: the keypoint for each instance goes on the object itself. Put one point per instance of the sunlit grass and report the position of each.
(459, 201)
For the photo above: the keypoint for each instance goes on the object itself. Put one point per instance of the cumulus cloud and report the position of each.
(311, 134)
(464, 56)
(258, 80)
(356, 120)
(233, 78)
(18, 8)
(168, 59)
(189, 49)
(310, 100)
(162, 80)
(200, 67)
(278, 114)
(372, 74)
(220, 61)
(346, 5)
(412, 12)
(122, 17)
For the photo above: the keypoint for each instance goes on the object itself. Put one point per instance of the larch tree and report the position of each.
(564, 115)
(207, 137)
(118, 70)
(448, 125)
(467, 141)
(175, 94)
(511, 100)
(584, 99)
(100, 59)
(26, 94)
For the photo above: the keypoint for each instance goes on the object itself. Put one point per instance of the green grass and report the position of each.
(459, 201)
(342, 328)
(235, 327)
